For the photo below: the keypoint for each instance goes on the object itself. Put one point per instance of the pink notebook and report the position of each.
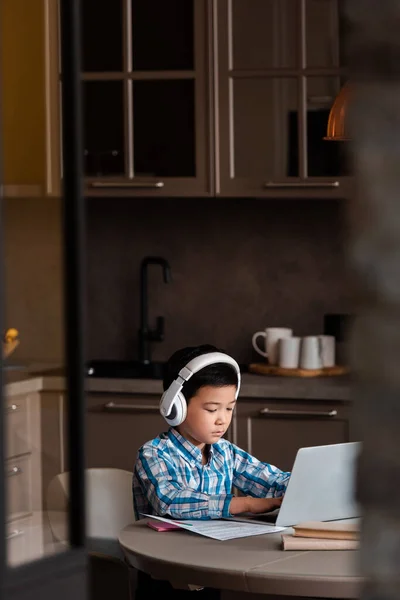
(160, 526)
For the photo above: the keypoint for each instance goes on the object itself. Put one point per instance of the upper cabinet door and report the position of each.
(146, 97)
(279, 68)
(29, 98)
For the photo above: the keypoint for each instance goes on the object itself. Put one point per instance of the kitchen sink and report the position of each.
(120, 369)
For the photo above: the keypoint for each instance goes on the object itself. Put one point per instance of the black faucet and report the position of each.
(146, 334)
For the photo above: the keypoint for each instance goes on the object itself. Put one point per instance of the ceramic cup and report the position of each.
(317, 351)
(271, 337)
(310, 352)
(289, 352)
(327, 349)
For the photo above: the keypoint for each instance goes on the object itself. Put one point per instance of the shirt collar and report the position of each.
(185, 447)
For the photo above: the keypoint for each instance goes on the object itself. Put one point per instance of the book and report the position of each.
(347, 529)
(163, 526)
(291, 542)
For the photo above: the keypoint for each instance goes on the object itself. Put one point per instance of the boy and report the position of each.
(189, 471)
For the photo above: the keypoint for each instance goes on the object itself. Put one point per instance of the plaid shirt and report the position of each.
(170, 479)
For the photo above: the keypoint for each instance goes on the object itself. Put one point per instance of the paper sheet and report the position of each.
(220, 529)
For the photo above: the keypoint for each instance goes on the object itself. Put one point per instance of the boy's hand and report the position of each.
(261, 505)
(244, 504)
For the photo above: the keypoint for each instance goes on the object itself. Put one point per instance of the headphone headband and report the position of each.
(196, 364)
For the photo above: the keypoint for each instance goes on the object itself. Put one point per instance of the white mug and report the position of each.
(327, 350)
(289, 352)
(271, 336)
(310, 352)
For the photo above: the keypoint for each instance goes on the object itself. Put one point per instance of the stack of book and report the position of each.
(319, 535)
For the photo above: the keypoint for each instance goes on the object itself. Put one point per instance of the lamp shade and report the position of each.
(337, 129)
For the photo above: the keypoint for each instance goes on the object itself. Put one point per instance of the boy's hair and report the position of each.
(217, 375)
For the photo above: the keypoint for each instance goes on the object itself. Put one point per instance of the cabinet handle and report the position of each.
(302, 184)
(14, 471)
(135, 408)
(14, 534)
(271, 412)
(12, 408)
(127, 184)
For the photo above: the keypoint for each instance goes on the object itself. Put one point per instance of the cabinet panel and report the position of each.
(261, 127)
(24, 540)
(103, 128)
(322, 33)
(269, 133)
(18, 434)
(264, 33)
(164, 128)
(275, 437)
(19, 486)
(163, 35)
(102, 35)
(117, 426)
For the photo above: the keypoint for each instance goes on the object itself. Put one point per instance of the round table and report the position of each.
(254, 564)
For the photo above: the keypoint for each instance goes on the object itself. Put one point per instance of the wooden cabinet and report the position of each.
(274, 430)
(24, 531)
(271, 430)
(181, 98)
(146, 98)
(35, 453)
(29, 98)
(279, 67)
(117, 425)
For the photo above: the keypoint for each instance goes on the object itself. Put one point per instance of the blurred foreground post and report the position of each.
(374, 52)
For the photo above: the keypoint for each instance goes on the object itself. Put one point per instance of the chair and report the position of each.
(109, 509)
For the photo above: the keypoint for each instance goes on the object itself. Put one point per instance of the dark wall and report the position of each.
(238, 265)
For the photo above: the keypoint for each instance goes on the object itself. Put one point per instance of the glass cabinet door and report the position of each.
(279, 71)
(145, 128)
(163, 35)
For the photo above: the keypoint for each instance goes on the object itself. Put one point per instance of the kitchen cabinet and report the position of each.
(30, 98)
(271, 430)
(32, 459)
(181, 98)
(274, 430)
(278, 68)
(117, 425)
(36, 451)
(146, 98)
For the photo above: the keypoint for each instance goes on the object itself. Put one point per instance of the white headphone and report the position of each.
(173, 405)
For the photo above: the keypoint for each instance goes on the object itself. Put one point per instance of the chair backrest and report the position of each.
(109, 504)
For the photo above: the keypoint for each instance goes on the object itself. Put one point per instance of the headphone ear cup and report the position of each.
(178, 411)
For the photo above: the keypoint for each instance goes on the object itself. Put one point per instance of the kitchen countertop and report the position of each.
(253, 386)
(337, 388)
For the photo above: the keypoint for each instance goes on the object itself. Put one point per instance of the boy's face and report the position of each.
(209, 414)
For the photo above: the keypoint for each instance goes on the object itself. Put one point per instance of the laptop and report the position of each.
(321, 487)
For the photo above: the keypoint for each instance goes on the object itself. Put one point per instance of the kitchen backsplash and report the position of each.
(238, 265)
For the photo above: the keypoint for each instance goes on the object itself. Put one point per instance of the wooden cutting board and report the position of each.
(265, 369)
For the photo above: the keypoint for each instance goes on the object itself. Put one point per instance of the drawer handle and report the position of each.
(14, 534)
(13, 408)
(128, 184)
(302, 184)
(270, 412)
(134, 408)
(14, 471)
